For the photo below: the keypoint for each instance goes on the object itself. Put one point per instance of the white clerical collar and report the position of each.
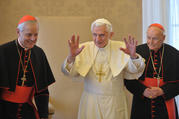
(21, 45)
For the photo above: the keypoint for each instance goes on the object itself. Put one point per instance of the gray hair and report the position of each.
(21, 26)
(101, 22)
(161, 31)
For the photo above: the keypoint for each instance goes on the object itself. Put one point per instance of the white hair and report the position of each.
(161, 31)
(21, 26)
(101, 22)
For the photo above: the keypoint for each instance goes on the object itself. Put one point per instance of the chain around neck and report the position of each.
(23, 67)
(161, 61)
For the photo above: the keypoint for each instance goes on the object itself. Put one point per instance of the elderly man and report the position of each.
(103, 66)
(155, 90)
(24, 74)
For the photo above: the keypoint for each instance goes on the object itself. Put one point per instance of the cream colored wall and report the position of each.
(125, 15)
(64, 94)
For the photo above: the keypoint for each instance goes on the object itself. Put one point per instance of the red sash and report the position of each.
(22, 94)
(170, 104)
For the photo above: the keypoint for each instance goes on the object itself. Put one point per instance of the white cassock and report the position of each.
(103, 71)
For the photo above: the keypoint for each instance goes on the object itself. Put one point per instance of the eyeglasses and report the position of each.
(98, 35)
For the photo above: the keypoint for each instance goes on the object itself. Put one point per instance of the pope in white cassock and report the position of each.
(103, 64)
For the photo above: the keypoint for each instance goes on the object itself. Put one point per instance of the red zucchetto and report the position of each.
(27, 18)
(157, 25)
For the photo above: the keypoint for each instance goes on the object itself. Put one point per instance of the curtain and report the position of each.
(174, 23)
(174, 30)
(155, 11)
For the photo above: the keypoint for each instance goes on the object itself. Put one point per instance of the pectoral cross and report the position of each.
(100, 74)
(23, 80)
(158, 81)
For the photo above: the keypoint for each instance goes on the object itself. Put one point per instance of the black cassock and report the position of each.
(143, 107)
(38, 75)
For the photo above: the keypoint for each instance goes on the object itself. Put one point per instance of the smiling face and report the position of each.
(155, 38)
(28, 36)
(101, 36)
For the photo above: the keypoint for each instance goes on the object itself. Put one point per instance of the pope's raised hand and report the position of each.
(74, 49)
(130, 47)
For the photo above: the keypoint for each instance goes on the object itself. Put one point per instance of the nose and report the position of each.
(33, 39)
(97, 37)
(150, 40)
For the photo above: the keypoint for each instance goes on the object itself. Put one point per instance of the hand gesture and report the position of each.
(130, 47)
(153, 92)
(73, 48)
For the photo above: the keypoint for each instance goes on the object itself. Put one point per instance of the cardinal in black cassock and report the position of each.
(24, 73)
(154, 92)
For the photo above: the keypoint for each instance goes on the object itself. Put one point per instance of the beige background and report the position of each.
(65, 93)
(125, 15)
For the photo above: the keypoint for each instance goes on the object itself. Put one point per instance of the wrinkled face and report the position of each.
(28, 36)
(155, 38)
(101, 36)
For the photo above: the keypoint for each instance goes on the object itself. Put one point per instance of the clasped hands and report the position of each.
(153, 92)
